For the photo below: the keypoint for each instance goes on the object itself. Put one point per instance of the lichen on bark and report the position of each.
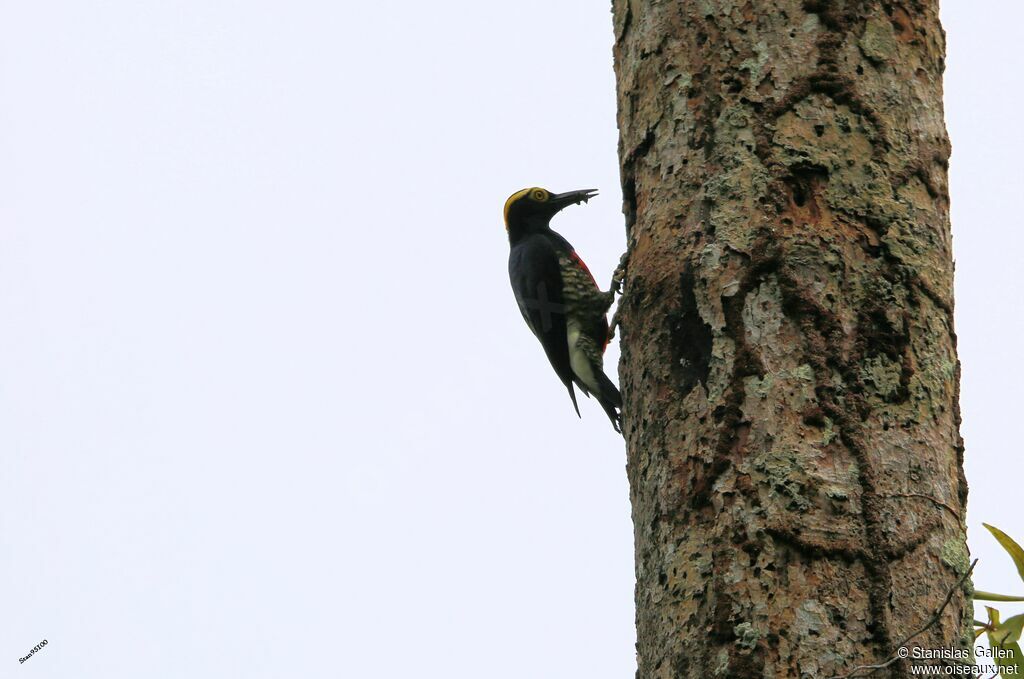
(789, 363)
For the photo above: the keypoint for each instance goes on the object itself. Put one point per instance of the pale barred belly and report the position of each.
(586, 307)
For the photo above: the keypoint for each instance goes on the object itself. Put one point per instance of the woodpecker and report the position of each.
(558, 296)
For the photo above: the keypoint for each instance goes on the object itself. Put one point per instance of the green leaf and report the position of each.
(1015, 659)
(993, 617)
(1009, 631)
(1004, 636)
(992, 596)
(1011, 547)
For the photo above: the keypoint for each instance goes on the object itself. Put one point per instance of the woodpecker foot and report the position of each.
(613, 325)
(619, 277)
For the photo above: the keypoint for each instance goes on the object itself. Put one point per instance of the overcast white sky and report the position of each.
(267, 408)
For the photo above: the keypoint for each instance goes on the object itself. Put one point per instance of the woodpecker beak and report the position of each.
(561, 200)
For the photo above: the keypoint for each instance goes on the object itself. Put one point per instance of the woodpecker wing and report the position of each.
(537, 283)
(588, 335)
(598, 327)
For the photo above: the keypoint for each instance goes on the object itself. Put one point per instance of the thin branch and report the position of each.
(936, 501)
(940, 609)
(894, 656)
(872, 668)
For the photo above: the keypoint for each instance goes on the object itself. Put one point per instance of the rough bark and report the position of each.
(789, 363)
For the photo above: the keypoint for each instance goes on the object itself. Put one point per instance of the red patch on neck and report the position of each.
(576, 258)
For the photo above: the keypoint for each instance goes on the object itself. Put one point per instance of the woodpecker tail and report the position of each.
(610, 400)
(572, 395)
(585, 358)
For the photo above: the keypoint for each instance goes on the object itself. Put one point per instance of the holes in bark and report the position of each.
(691, 338)
(705, 216)
(873, 250)
(814, 417)
(882, 334)
(629, 199)
(805, 183)
(799, 195)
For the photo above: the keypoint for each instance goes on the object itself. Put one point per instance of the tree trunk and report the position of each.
(789, 364)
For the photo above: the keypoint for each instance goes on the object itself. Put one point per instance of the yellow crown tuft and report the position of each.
(535, 192)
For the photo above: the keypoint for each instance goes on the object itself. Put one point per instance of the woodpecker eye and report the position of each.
(539, 195)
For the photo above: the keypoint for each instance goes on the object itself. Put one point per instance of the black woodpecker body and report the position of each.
(558, 296)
